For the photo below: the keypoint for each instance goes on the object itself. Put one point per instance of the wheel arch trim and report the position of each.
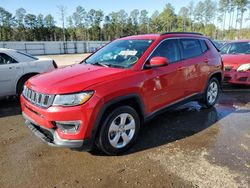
(114, 101)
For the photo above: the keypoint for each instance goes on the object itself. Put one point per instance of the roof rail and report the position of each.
(193, 33)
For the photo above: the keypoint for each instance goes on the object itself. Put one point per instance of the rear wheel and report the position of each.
(212, 93)
(119, 131)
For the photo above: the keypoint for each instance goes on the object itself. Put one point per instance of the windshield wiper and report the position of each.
(108, 65)
(105, 64)
(99, 63)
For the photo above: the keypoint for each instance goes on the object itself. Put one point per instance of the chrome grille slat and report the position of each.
(38, 99)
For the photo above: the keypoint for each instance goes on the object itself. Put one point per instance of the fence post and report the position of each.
(25, 47)
(44, 52)
(60, 47)
(75, 44)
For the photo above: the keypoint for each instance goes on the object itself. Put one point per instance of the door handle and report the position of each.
(14, 67)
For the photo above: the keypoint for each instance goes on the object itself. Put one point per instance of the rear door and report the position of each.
(195, 59)
(10, 70)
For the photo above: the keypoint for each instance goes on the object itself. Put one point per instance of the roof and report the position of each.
(6, 50)
(181, 33)
(146, 37)
(234, 41)
(155, 36)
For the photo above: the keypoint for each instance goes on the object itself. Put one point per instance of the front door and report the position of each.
(10, 69)
(165, 85)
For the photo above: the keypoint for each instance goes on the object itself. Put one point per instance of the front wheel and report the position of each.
(119, 131)
(212, 93)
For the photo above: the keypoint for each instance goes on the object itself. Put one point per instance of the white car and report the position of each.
(17, 67)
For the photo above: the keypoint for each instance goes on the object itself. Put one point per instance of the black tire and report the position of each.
(206, 100)
(21, 83)
(103, 140)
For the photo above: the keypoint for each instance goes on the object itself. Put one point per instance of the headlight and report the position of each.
(72, 99)
(244, 67)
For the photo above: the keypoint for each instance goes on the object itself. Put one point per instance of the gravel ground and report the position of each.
(64, 60)
(186, 147)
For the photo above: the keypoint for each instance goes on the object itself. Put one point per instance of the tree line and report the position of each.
(225, 20)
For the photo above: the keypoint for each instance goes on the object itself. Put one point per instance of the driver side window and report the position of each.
(169, 49)
(5, 59)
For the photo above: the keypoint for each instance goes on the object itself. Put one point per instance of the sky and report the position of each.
(50, 6)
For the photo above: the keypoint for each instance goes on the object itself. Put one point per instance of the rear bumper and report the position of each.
(51, 137)
(235, 77)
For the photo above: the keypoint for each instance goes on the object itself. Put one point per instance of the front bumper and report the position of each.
(51, 137)
(235, 77)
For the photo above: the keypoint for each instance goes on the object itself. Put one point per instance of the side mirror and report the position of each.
(157, 62)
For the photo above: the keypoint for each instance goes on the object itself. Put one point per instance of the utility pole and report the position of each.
(62, 12)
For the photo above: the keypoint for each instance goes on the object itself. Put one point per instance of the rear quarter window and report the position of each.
(203, 45)
(23, 57)
(190, 48)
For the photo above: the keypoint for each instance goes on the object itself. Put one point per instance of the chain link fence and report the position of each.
(54, 47)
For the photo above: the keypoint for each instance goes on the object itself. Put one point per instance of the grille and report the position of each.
(228, 68)
(38, 99)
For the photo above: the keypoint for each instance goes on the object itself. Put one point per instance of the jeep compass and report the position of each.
(104, 100)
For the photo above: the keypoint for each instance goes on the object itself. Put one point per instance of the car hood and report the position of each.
(72, 78)
(235, 60)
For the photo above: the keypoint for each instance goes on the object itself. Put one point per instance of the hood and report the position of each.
(72, 78)
(235, 60)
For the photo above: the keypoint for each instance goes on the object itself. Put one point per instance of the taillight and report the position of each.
(54, 64)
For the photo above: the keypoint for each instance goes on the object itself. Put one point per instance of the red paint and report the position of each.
(158, 62)
(157, 87)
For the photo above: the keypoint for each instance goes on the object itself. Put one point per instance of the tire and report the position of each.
(113, 137)
(211, 93)
(21, 83)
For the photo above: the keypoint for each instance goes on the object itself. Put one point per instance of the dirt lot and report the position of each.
(63, 60)
(186, 147)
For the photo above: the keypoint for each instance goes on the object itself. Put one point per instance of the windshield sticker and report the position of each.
(128, 52)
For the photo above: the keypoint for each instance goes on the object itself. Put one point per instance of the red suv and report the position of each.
(105, 99)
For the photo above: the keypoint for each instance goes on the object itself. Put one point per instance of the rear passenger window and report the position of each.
(190, 48)
(203, 45)
(169, 49)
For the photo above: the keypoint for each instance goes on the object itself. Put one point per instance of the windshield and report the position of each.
(236, 48)
(120, 53)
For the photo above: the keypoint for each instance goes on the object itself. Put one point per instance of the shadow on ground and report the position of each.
(186, 120)
(9, 107)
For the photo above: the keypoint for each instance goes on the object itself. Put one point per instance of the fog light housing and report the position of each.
(68, 126)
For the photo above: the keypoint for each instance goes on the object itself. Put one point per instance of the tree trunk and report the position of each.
(241, 20)
(232, 20)
(230, 17)
(236, 19)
